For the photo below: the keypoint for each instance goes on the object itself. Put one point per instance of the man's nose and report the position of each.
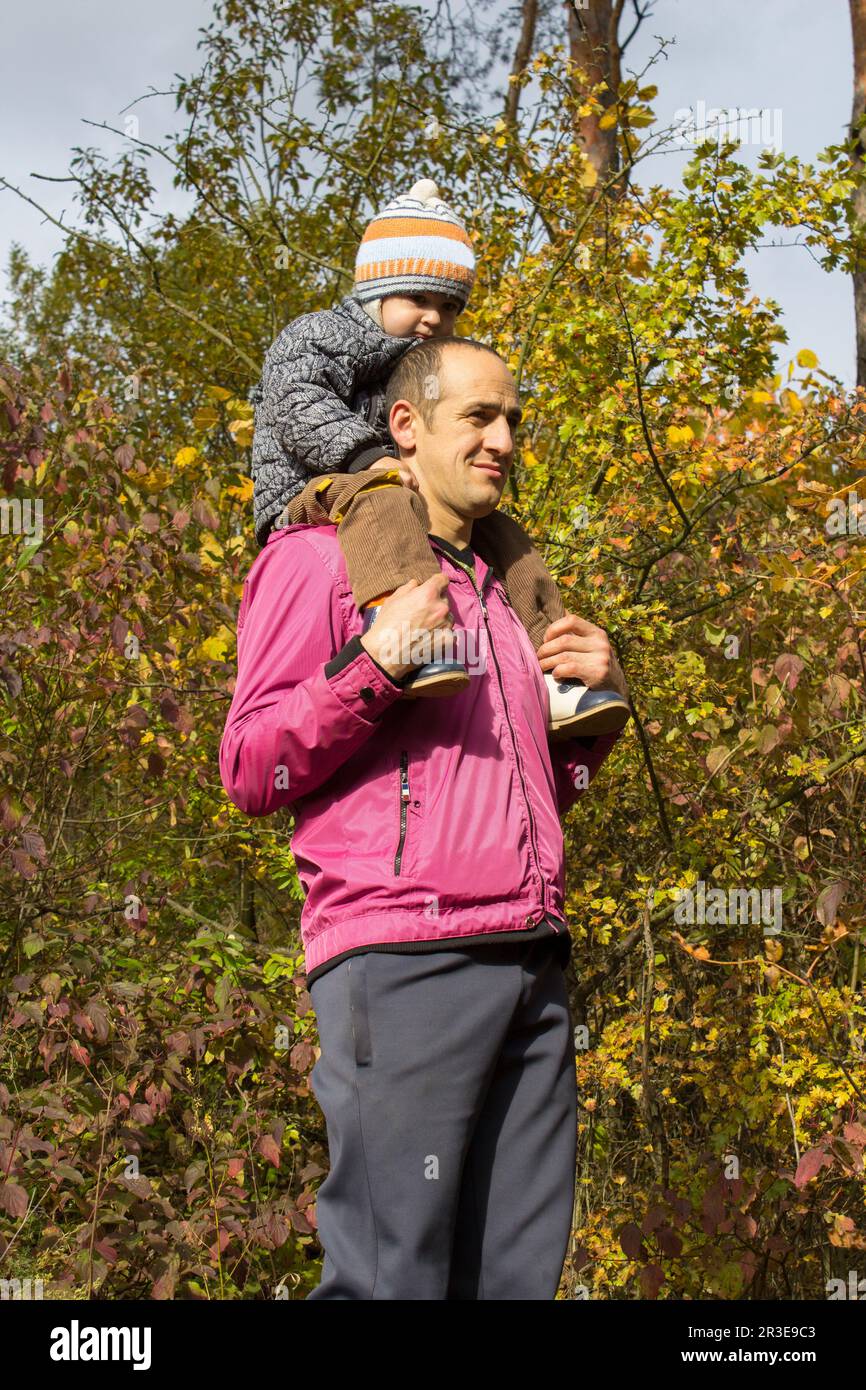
(498, 436)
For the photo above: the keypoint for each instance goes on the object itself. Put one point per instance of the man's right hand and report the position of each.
(408, 617)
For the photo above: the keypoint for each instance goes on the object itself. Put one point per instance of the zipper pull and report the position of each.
(404, 778)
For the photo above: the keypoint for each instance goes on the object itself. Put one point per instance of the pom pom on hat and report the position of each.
(425, 190)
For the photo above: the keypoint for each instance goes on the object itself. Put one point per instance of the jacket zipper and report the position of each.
(539, 916)
(404, 805)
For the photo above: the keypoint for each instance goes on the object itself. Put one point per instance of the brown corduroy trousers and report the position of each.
(382, 528)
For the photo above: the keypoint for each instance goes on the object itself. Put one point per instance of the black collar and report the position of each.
(465, 554)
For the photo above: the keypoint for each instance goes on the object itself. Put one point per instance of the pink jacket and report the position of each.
(414, 819)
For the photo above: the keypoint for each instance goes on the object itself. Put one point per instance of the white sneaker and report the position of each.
(575, 710)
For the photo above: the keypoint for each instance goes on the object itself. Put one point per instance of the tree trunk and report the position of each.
(246, 899)
(522, 55)
(593, 44)
(858, 33)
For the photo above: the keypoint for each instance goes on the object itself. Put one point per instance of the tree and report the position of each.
(693, 496)
(857, 10)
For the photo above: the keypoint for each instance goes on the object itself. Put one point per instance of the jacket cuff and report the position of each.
(367, 458)
(360, 681)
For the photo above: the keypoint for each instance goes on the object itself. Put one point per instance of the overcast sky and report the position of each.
(791, 58)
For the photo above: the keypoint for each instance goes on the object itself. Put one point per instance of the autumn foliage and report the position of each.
(695, 482)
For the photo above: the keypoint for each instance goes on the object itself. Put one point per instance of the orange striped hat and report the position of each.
(415, 243)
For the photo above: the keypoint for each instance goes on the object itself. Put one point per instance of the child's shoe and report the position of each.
(435, 678)
(576, 710)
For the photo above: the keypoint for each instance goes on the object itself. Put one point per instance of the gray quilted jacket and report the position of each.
(319, 407)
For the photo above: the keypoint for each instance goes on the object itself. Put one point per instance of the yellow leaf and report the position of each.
(608, 120)
(243, 491)
(792, 400)
(206, 418)
(680, 434)
(210, 546)
(155, 480)
(241, 432)
(217, 393)
(806, 358)
(589, 177)
(215, 648)
(184, 457)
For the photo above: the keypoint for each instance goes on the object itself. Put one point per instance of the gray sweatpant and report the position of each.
(447, 1082)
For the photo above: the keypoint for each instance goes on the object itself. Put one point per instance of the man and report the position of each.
(428, 842)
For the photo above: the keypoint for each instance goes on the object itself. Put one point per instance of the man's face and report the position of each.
(463, 460)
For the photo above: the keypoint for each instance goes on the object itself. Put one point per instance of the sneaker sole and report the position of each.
(604, 719)
(431, 687)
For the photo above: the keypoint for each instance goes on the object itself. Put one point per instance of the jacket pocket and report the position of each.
(405, 798)
(360, 1016)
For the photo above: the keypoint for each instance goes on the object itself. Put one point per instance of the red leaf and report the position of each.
(810, 1165)
(35, 845)
(669, 1242)
(169, 709)
(119, 628)
(23, 864)
(269, 1149)
(155, 764)
(164, 1286)
(13, 1199)
(651, 1279)
(788, 665)
(205, 515)
(631, 1241)
(828, 902)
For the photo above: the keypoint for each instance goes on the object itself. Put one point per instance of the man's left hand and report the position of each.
(574, 649)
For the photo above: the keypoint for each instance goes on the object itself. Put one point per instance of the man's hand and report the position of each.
(574, 649)
(407, 477)
(407, 619)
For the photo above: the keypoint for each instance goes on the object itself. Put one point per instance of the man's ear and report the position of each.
(402, 425)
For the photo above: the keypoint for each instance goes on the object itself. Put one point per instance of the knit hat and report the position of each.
(416, 243)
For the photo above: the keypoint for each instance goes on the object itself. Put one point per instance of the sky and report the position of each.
(63, 65)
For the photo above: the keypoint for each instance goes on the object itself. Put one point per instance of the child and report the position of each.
(322, 451)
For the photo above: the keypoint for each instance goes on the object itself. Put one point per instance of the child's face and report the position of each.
(426, 314)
